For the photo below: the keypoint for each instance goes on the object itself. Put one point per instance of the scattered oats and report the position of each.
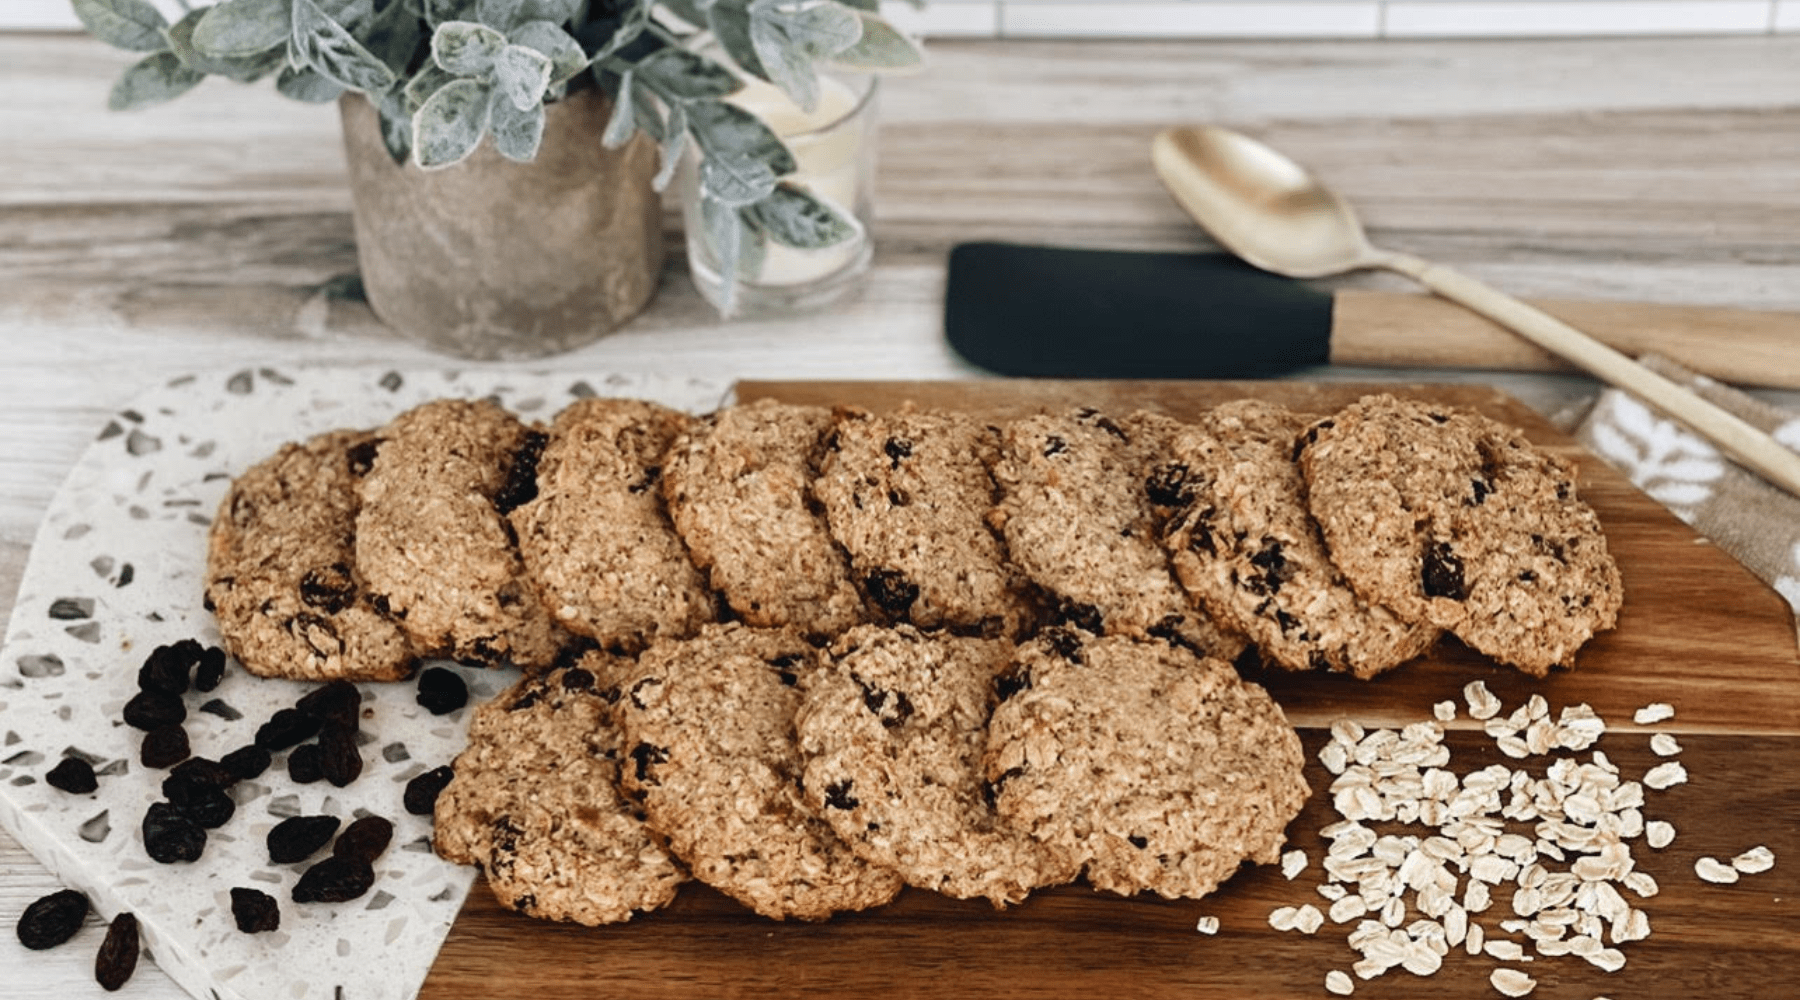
(1444, 711)
(1293, 863)
(1456, 925)
(1635, 926)
(1653, 713)
(1349, 732)
(1207, 925)
(1475, 940)
(1332, 891)
(1512, 982)
(1368, 968)
(1665, 775)
(1715, 871)
(1421, 960)
(1335, 756)
(1505, 951)
(1347, 909)
(1308, 919)
(1336, 981)
(1476, 898)
(1514, 747)
(1641, 883)
(1483, 704)
(1754, 861)
(1551, 947)
(1665, 745)
(1394, 913)
(1282, 918)
(1610, 959)
(1659, 833)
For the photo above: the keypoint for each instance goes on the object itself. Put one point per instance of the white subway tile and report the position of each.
(1787, 15)
(945, 18)
(1190, 19)
(1575, 17)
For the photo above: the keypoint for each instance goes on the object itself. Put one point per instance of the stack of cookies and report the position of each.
(809, 656)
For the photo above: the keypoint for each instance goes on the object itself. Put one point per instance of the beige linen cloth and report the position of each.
(1757, 523)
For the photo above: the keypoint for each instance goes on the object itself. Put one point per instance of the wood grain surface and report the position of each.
(1697, 631)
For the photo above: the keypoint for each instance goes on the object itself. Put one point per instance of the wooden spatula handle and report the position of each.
(1747, 445)
(1395, 329)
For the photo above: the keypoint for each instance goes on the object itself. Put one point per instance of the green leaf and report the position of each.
(739, 183)
(522, 74)
(728, 132)
(724, 232)
(498, 14)
(623, 122)
(396, 125)
(682, 75)
(649, 117)
(243, 69)
(674, 145)
(238, 28)
(566, 55)
(324, 45)
(793, 216)
(691, 11)
(152, 80)
(308, 86)
(517, 131)
(450, 125)
(787, 42)
(132, 25)
(441, 11)
(869, 5)
(881, 46)
(730, 23)
(429, 80)
(636, 20)
(393, 36)
(466, 48)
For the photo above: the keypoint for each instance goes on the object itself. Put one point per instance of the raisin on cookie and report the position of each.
(738, 490)
(432, 538)
(907, 494)
(281, 575)
(1245, 546)
(596, 541)
(1080, 523)
(893, 729)
(1162, 769)
(713, 759)
(535, 803)
(1449, 517)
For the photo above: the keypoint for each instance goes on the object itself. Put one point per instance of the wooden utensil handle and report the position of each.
(1741, 346)
(1747, 445)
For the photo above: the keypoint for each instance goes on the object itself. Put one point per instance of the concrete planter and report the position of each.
(491, 259)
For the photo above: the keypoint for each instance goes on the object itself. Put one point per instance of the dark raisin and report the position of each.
(645, 755)
(577, 679)
(442, 691)
(1054, 445)
(1311, 435)
(164, 746)
(318, 633)
(339, 760)
(1169, 629)
(423, 790)
(210, 670)
(1527, 576)
(1138, 842)
(1274, 565)
(338, 703)
(652, 475)
(361, 456)
(891, 591)
(837, 795)
(118, 955)
(1442, 573)
(334, 880)
(52, 920)
(170, 836)
(892, 707)
(1082, 616)
(1479, 492)
(300, 837)
(329, 588)
(1438, 418)
(1014, 680)
(364, 839)
(255, 911)
(524, 701)
(248, 762)
(207, 805)
(149, 710)
(897, 448)
(1564, 491)
(72, 775)
(1287, 622)
(205, 771)
(1168, 485)
(166, 668)
(1063, 642)
(286, 728)
(305, 764)
(521, 480)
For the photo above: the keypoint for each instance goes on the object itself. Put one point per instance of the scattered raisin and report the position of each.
(170, 836)
(577, 679)
(837, 796)
(52, 920)
(1063, 642)
(1014, 680)
(364, 840)
(361, 456)
(206, 805)
(337, 703)
(211, 669)
(245, 763)
(1138, 842)
(442, 691)
(329, 588)
(286, 728)
(422, 791)
(1480, 490)
(1169, 485)
(891, 591)
(1054, 445)
(255, 911)
(645, 755)
(72, 775)
(897, 448)
(306, 764)
(1082, 616)
(149, 710)
(164, 746)
(339, 761)
(166, 668)
(300, 837)
(1442, 573)
(521, 480)
(334, 880)
(118, 955)
(205, 771)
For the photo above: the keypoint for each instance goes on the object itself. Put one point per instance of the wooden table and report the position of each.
(213, 232)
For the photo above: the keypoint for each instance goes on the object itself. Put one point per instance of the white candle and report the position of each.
(829, 165)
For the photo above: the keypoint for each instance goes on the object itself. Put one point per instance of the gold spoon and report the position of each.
(1268, 210)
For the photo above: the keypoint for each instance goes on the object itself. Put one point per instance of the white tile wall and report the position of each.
(1251, 18)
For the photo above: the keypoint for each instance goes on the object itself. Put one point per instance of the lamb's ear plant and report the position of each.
(444, 74)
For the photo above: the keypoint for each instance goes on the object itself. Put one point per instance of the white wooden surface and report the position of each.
(204, 234)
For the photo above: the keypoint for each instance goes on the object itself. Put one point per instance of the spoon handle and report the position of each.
(1746, 444)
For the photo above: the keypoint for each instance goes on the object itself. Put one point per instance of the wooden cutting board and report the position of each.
(1697, 631)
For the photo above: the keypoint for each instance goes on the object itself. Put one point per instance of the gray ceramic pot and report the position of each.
(491, 259)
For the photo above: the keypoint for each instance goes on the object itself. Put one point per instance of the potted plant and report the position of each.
(443, 102)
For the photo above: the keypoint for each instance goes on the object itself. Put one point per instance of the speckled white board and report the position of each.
(116, 571)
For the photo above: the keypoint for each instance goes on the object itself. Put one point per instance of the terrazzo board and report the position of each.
(115, 571)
